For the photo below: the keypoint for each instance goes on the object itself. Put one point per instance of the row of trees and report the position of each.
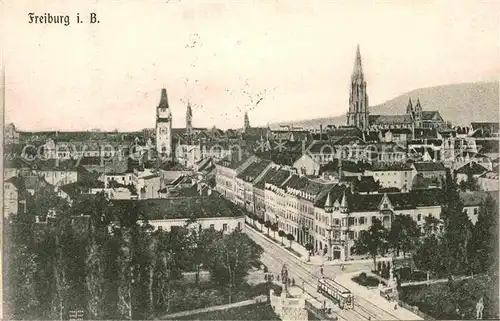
(461, 248)
(109, 261)
(271, 226)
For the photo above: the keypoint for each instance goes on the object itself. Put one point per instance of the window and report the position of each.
(419, 217)
(362, 220)
(224, 227)
(239, 226)
(212, 226)
(386, 206)
(475, 211)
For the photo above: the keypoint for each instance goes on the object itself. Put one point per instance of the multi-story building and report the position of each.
(489, 181)
(210, 211)
(228, 169)
(301, 193)
(246, 180)
(342, 215)
(397, 175)
(14, 196)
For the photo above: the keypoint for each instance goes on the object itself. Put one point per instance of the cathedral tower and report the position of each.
(358, 98)
(189, 119)
(418, 114)
(246, 124)
(164, 126)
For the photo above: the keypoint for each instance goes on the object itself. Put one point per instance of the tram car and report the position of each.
(336, 293)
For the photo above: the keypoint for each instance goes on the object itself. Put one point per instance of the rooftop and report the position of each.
(429, 166)
(253, 170)
(182, 207)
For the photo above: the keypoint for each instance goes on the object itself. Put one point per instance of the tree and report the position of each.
(484, 240)
(427, 256)
(231, 257)
(267, 224)
(309, 247)
(404, 234)
(282, 234)
(372, 241)
(261, 222)
(431, 225)
(291, 238)
(274, 228)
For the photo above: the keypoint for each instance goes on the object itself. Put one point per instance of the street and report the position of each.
(275, 256)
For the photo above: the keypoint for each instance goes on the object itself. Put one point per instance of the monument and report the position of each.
(289, 306)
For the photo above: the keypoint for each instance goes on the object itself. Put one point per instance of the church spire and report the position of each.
(189, 118)
(357, 71)
(358, 98)
(163, 99)
(409, 107)
(246, 124)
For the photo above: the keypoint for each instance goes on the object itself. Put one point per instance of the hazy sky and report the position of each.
(109, 75)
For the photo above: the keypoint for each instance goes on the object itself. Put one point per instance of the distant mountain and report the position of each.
(460, 104)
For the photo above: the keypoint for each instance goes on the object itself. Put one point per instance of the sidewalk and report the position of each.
(314, 260)
(374, 297)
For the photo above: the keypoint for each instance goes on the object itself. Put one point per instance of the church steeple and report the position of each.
(246, 123)
(357, 72)
(163, 99)
(358, 98)
(409, 107)
(189, 119)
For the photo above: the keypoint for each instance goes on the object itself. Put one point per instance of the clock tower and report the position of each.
(164, 126)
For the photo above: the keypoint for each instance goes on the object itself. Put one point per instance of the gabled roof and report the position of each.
(431, 115)
(234, 160)
(472, 168)
(429, 166)
(389, 119)
(379, 167)
(250, 173)
(274, 176)
(181, 207)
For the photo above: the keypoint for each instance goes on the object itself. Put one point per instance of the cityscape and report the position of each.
(386, 217)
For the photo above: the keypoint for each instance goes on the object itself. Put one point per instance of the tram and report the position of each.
(336, 292)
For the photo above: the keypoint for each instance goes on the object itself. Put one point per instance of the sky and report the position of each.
(296, 57)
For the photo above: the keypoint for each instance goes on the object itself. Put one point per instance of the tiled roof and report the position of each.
(348, 140)
(347, 166)
(429, 166)
(397, 131)
(431, 115)
(344, 131)
(389, 119)
(253, 170)
(234, 160)
(390, 167)
(472, 168)
(274, 176)
(400, 201)
(183, 207)
(317, 147)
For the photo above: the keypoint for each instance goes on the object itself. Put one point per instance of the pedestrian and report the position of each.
(321, 270)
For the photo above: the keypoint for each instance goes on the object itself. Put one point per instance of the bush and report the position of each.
(366, 280)
(441, 300)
